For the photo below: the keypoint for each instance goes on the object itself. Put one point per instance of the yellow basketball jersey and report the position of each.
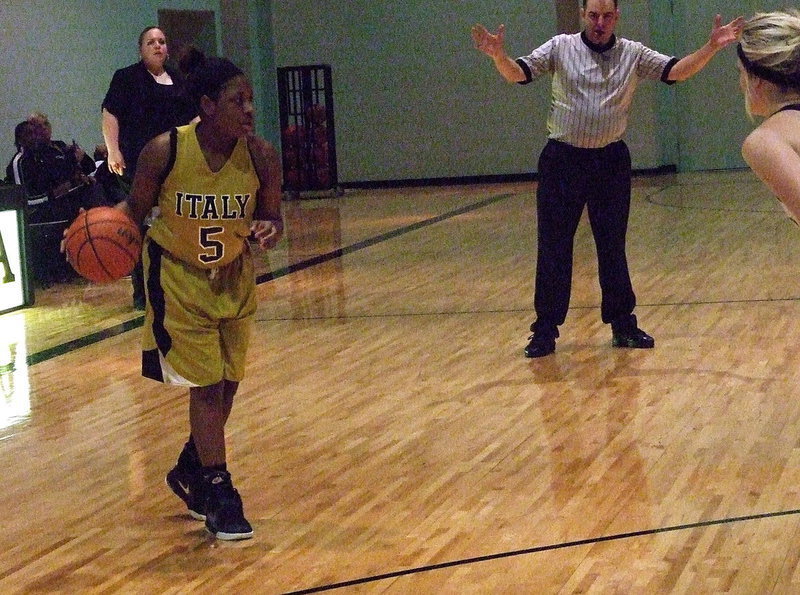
(205, 216)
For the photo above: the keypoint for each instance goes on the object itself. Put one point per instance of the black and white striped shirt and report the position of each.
(592, 87)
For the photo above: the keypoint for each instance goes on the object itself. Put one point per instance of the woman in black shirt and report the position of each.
(143, 100)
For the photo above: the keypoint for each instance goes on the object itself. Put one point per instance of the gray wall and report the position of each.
(413, 98)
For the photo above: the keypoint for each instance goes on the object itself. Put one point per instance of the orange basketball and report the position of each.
(103, 244)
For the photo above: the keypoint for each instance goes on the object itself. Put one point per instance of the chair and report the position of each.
(46, 230)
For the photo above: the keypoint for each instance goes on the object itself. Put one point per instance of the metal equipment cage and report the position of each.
(308, 138)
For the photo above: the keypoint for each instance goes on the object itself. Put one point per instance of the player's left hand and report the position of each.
(722, 35)
(267, 232)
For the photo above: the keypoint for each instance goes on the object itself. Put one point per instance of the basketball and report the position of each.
(103, 244)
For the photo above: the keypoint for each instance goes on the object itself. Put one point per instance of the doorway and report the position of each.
(189, 27)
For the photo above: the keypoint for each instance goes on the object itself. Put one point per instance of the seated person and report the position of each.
(47, 266)
(71, 164)
(108, 180)
(100, 155)
(23, 137)
(55, 171)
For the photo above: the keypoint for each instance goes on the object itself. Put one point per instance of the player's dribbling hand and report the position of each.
(267, 233)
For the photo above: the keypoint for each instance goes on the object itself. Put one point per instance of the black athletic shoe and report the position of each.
(185, 481)
(223, 507)
(626, 333)
(187, 486)
(540, 345)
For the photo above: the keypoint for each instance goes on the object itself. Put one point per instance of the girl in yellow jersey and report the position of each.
(215, 184)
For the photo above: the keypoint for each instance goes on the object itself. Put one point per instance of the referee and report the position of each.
(585, 161)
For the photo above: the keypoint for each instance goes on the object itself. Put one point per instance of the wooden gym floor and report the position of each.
(391, 437)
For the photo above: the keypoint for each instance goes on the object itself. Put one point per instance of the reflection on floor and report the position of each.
(391, 436)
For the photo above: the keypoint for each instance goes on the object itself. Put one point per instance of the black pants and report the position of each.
(123, 185)
(569, 179)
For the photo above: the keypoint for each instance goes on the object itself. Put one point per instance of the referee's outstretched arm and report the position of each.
(493, 45)
(721, 36)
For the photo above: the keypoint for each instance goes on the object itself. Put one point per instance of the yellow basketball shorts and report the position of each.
(197, 321)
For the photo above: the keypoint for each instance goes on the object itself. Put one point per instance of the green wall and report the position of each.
(413, 98)
(247, 40)
(709, 112)
(58, 57)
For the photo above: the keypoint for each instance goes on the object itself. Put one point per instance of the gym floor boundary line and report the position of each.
(64, 348)
(527, 309)
(134, 323)
(542, 548)
(389, 235)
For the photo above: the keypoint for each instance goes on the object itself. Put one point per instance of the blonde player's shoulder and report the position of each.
(786, 123)
(773, 153)
(777, 134)
(785, 117)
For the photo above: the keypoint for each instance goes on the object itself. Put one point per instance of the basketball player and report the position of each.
(215, 184)
(769, 75)
(585, 162)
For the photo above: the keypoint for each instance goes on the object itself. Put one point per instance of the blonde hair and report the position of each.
(769, 47)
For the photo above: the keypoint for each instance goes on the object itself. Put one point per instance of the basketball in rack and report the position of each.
(308, 137)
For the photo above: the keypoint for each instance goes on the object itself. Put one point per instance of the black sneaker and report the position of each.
(626, 333)
(540, 345)
(223, 507)
(186, 485)
(184, 481)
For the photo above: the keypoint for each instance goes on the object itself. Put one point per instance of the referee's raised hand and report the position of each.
(490, 44)
(722, 35)
(493, 45)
